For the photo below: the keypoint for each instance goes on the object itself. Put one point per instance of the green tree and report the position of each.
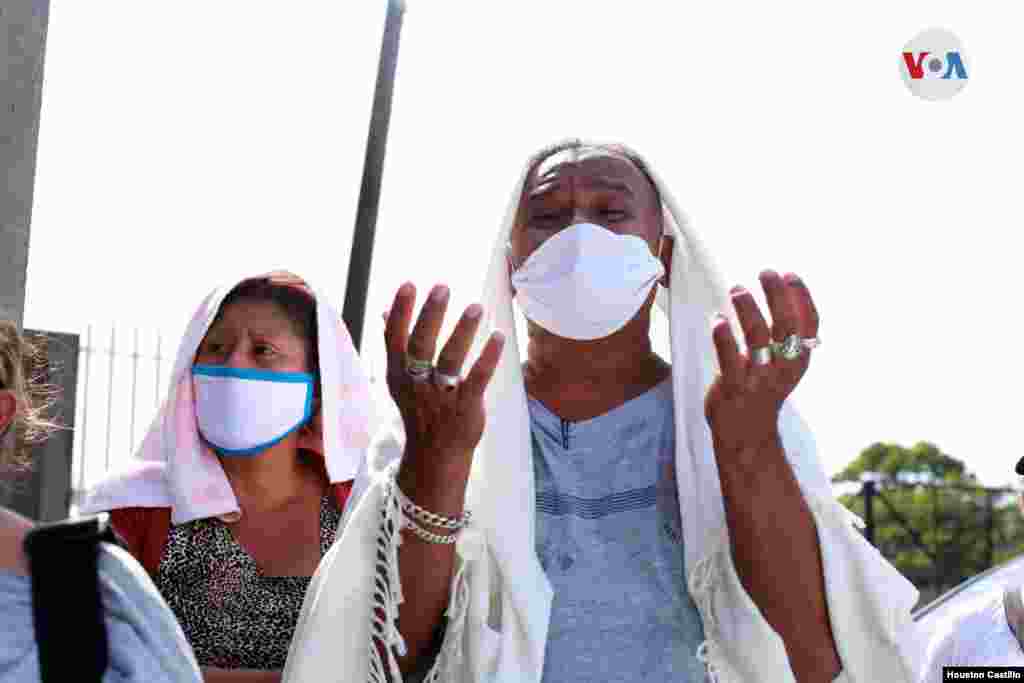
(932, 518)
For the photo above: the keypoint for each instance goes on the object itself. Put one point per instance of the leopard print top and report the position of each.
(234, 616)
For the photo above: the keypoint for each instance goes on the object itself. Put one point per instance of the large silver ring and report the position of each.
(793, 346)
(447, 382)
(419, 370)
(761, 355)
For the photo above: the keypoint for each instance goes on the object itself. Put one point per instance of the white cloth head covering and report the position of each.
(173, 468)
(699, 295)
(501, 598)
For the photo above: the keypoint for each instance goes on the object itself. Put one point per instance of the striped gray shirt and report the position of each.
(609, 537)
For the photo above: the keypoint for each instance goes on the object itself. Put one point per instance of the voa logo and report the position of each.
(933, 65)
(937, 67)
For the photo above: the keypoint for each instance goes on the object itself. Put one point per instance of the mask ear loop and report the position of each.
(510, 263)
(509, 259)
(664, 280)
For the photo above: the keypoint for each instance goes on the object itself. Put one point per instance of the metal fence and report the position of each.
(940, 534)
(122, 379)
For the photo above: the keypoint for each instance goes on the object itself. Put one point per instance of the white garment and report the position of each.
(173, 468)
(501, 599)
(932, 622)
(977, 634)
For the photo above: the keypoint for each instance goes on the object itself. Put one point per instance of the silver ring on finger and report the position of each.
(446, 382)
(790, 348)
(761, 355)
(418, 370)
(418, 376)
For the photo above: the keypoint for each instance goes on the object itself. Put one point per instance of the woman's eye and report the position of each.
(212, 348)
(263, 350)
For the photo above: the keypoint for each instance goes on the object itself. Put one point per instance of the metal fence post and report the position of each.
(110, 390)
(159, 342)
(86, 356)
(135, 380)
(869, 511)
(989, 530)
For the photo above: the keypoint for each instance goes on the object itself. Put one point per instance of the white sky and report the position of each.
(181, 140)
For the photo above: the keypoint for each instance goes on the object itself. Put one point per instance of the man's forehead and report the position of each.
(583, 164)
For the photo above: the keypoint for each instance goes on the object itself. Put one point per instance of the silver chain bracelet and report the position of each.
(431, 518)
(428, 536)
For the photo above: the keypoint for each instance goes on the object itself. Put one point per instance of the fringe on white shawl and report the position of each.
(388, 598)
(449, 659)
(705, 580)
(387, 592)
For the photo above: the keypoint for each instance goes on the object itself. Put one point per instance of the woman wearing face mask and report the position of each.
(632, 519)
(145, 643)
(238, 488)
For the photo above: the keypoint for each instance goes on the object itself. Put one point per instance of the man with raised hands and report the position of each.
(595, 512)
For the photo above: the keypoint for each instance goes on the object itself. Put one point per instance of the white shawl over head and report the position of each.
(173, 468)
(501, 598)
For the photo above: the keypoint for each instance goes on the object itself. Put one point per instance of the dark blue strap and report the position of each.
(70, 628)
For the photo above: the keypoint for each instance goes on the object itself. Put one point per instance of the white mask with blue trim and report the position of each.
(243, 412)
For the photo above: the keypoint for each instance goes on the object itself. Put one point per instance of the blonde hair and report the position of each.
(22, 371)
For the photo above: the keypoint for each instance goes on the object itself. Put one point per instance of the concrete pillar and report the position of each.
(22, 45)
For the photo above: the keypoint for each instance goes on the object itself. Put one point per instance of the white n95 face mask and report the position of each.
(585, 282)
(242, 412)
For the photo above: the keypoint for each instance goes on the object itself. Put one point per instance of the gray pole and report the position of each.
(22, 45)
(354, 311)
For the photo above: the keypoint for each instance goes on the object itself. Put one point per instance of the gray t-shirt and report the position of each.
(609, 537)
(146, 644)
